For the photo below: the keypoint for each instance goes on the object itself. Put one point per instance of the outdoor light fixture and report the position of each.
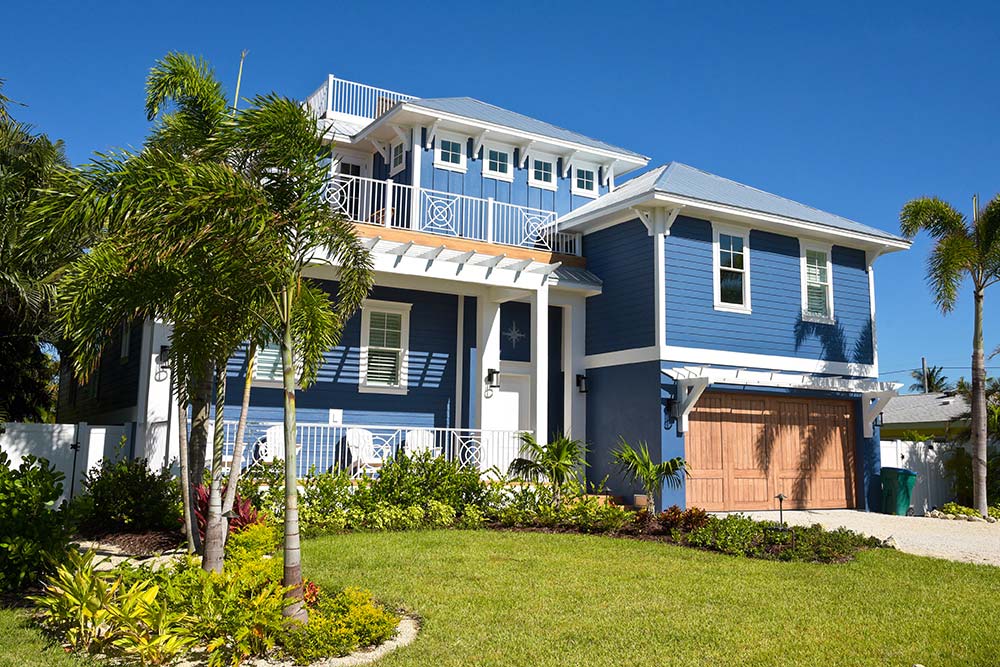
(581, 383)
(781, 508)
(492, 379)
(164, 358)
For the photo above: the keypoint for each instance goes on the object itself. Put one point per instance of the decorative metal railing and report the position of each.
(353, 99)
(391, 204)
(364, 449)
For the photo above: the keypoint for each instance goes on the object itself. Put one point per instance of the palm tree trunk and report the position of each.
(296, 609)
(198, 443)
(978, 410)
(215, 526)
(241, 427)
(182, 447)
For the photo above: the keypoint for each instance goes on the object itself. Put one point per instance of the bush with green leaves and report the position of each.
(126, 496)
(339, 624)
(324, 502)
(32, 529)
(405, 481)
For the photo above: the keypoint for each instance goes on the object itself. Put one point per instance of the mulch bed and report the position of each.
(142, 544)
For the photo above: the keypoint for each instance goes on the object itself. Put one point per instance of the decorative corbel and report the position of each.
(382, 149)
(431, 134)
(566, 160)
(477, 143)
(523, 155)
(401, 134)
(689, 390)
(872, 404)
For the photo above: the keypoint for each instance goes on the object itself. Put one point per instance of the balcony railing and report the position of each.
(389, 204)
(353, 99)
(365, 449)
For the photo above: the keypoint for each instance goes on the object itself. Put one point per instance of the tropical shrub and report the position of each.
(126, 496)
(414, 480)
(32, 530)
(253, 543)
(559, 462)
(339, 624)
(324, 502)
(472, 518)
(439, 515)
(639, 466)
(243, 516)
(263, 485)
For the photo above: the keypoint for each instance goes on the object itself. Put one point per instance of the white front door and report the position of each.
(510, 412)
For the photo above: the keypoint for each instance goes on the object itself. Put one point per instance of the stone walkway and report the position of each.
(969, 542)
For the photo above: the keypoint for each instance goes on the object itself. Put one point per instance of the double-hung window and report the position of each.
(385, 332)
(497, 163)
(584, 180)
(542, 171)
(267, 370)
(397, 158)
(731, 250)
(449, 152)
(817, 283)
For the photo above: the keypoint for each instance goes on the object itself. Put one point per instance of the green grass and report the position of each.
(530, 599)
(490, 598)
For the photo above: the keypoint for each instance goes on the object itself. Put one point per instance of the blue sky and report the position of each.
(853, 107)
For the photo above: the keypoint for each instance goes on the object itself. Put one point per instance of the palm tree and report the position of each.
(639, 467)
(559, 461)
(937, 382)
(962, 251)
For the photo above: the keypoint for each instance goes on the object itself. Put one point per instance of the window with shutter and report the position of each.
(384, 338)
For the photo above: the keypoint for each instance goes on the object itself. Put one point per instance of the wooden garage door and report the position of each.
(745, 449)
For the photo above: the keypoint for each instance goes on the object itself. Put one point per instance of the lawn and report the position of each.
(531, 599)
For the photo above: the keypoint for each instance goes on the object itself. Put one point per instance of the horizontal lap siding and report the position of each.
(117, 382)
(622, 316)
(431, 374)
(775, 326)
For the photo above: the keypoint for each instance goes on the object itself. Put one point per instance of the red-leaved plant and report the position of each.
(244, 513)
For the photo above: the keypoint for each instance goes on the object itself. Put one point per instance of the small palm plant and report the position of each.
(559, 462)
(639, 467)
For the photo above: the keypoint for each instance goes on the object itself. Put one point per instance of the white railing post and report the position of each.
(415, 207)
(329, 93)
(387, 211)
(489, 219)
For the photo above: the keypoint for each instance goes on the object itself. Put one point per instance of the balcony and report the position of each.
(363, 450)
(397, 206)
(359, 101)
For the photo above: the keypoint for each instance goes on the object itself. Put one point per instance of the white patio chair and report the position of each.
(361, 444)
(272, 445)
(420, 441)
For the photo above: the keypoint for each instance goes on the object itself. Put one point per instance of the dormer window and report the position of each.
(584, 180)
(541, 172)
(397, 159)
(497, 163)
(449, 152)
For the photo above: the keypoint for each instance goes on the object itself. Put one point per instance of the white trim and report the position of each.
(397, 307)
(744, 234)
(395, 169)
(674, 353)
(827, 249)
(543, 157)
(462, 165)
(499, 148)
(660, 287)
(622, 357)
(584, 166)
(871, 304)
(459, 360)
(540, 363)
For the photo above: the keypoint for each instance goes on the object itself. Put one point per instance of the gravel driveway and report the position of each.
(966, 541)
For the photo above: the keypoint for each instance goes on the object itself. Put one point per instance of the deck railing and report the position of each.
(363, 449)
(391, 204)
(353, 99)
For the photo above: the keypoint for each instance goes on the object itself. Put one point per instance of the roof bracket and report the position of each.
(524, 148)
(689, 390)
(566, 160)
(609, 173)
(382, 149)
(431, 134)
(400, 134)
(477, 143)
(872, 404)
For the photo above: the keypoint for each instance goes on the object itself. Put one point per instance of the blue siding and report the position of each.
(622, 316)
(622, 401)
(117, 381)
(775, 326)
(430, 400)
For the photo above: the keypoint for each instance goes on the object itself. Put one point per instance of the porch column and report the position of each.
(574, 319)
(540, 362)
(488, 344)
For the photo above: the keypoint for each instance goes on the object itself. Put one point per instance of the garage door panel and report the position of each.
(745, 449)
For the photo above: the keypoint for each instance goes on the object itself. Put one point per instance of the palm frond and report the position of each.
(935, 216)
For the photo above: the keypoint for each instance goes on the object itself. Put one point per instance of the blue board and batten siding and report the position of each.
(429, 401)
(775, 326)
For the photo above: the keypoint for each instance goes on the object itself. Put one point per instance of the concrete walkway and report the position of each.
(970, 542)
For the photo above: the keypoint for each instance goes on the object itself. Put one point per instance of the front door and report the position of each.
(510, 412)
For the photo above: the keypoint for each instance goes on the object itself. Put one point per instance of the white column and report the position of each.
(488, 348)
(540, 362)
(574, 321)
(416, 155)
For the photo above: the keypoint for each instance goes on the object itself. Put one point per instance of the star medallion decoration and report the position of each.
(514, 335)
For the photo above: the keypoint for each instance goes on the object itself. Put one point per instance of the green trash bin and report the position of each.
(897, 485)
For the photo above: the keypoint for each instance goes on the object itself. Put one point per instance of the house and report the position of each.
(528, 280)
(934, 414)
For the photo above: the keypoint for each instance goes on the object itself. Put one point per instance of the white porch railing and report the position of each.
(353, 99)
(391, 204)
(363, 449)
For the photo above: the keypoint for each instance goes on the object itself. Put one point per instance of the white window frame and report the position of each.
(278, 382)
(500, 148)
(543, 157)
(804, 247)
(462, 165)
(396, 307)
(743, 233)
(395, 169)
(584, 166)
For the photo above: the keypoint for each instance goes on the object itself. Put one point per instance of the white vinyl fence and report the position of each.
(55, 442)
(933, 488)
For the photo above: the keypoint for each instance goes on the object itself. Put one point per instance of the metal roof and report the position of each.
(924, 408)
(474, 109)
(682, 180)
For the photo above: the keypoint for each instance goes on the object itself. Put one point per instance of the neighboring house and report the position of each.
(936, 415)
(521, 284)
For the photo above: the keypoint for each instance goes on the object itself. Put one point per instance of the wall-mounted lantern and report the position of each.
(163, 361)
(492, 379)
(581, 383)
